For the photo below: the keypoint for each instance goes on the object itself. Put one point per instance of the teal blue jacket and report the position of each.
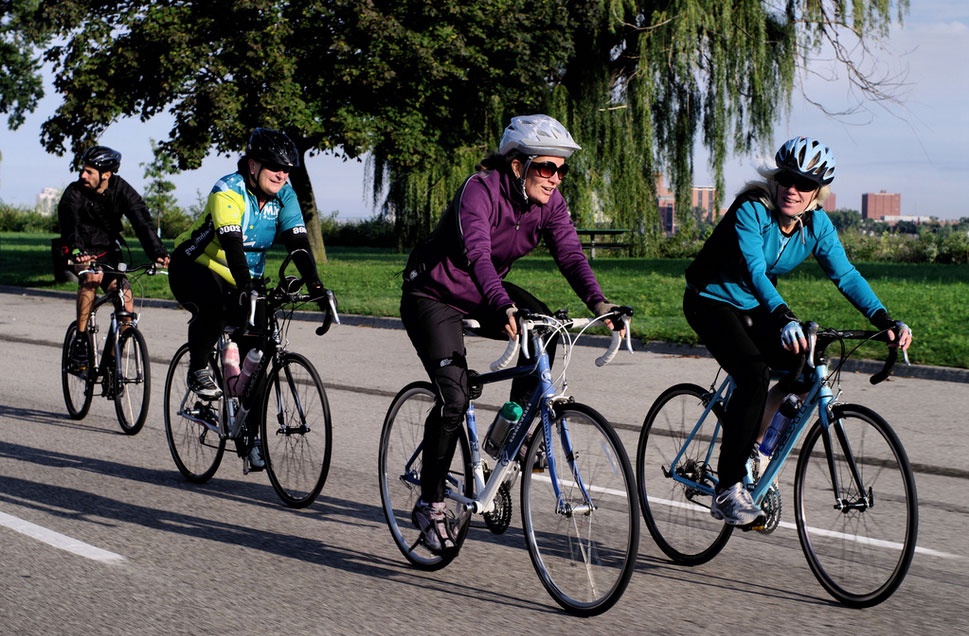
(740, 262)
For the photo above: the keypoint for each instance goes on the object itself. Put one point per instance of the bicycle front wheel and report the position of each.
(399, 468)
(858, 535)
(296, 431)
(584, 540)
(196, 448)
(132, 380)
(677, 514)
(77, 378)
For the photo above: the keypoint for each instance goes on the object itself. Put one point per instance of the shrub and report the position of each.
(21, 219)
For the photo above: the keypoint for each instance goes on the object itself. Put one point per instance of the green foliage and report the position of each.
(22, 219)
(427, 87)
(159, 197)
(373, 232)
(21, 86)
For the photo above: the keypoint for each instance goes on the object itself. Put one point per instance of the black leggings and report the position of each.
(437, 334)
(747, 345)
(212, 301)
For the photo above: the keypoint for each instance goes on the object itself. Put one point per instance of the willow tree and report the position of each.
(639, 82)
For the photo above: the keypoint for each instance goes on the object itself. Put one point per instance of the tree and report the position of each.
(427, 87)
(639, 81)
(169, 217)
(220, 67)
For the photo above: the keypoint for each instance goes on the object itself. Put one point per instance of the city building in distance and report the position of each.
(881, 206)
(47, 201)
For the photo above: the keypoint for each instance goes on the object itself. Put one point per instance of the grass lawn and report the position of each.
(931, 298)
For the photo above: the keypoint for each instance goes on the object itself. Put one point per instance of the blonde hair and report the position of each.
(765, 190)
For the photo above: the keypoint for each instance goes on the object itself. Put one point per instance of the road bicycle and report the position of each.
(283, 407)
(121, 365)
(855, 501)
(578, 501)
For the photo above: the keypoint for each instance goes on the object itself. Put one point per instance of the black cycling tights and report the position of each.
(746, 344)
(436, 332)
(210, 298)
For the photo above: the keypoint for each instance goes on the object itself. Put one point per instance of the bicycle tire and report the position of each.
(400, 440)
(296, 448)
(132, 380)
(677, 516)
(197, 451)
(859, 570)
(77, 383)
(584, 559)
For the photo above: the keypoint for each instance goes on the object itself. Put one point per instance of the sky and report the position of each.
(917, 147)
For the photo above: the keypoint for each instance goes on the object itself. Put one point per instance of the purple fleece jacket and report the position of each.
(482, 233)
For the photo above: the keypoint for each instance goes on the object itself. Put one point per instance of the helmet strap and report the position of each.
(520, 181)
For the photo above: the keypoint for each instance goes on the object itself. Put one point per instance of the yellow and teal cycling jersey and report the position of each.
(231, 207)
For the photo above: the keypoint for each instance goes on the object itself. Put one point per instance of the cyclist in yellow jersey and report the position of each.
(215, 260)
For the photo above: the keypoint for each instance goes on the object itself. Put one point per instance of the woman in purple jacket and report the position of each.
(499, 215)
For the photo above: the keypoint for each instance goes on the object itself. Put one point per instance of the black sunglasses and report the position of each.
(275, 167)
(802, 184)
(547, 168)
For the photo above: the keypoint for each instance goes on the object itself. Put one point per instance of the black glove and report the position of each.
(781, 316)
(882, 321)
(321, 296)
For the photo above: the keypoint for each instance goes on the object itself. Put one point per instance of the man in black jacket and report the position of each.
(90, 216)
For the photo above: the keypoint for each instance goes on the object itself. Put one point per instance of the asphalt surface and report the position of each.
(101, 535)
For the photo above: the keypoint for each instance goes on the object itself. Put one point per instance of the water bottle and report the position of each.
(248, 368)
(778, 426)
(230, 366)
(498, 431)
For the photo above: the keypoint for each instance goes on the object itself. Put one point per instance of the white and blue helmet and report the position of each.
(537, 135)
(807, 157)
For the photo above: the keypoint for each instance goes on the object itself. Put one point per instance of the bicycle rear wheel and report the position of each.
(584, 543)
(296, 432)
(678, 516)
(132, 380)
(400, 473)
(196, 449)
(859, 552)
(77, 379)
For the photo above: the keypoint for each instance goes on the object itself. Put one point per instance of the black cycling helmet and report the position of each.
(102, 158)
(271, 146)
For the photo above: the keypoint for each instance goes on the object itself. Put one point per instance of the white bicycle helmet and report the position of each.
(537, 135)
(807, 157)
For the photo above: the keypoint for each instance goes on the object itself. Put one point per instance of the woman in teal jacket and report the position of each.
(733, 305)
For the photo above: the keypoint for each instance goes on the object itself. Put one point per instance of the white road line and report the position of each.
(59, 540)
(828, 533)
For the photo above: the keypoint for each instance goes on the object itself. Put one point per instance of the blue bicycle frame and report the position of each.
(819, 397)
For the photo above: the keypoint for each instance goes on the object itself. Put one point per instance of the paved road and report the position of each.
(156, 555)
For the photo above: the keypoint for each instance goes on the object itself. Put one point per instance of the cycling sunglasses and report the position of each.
(275, 167)
(547, 168)
(802, 184)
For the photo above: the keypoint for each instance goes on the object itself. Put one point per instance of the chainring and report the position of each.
(498, 520)
(771, 505)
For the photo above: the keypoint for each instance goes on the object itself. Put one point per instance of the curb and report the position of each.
(870, 367)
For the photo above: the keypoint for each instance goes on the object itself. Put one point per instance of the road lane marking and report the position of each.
(828, 533)
(59, 540)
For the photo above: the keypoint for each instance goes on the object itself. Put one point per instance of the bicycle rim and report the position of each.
(859, 554)
(399, 469)
(584, 555)
(296, 435)
(197, 451)
(678, 516)
(132, 386)
(77, 381)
